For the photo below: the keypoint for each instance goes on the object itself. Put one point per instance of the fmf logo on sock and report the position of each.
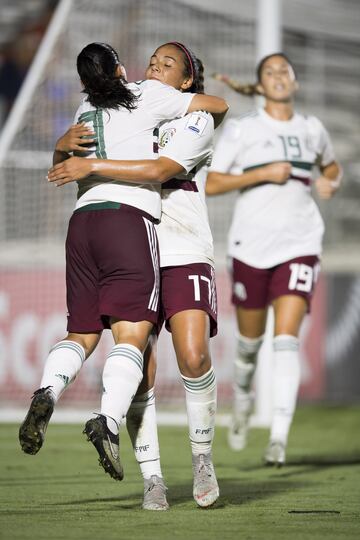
(144, 448)
(203, 431)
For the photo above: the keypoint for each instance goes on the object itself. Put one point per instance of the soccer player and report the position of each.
(111, 250)
(275, 239)
(188, 294)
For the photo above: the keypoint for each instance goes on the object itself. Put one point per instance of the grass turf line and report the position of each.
(61, 493)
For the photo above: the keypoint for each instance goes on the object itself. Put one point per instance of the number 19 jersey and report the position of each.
(273, 223)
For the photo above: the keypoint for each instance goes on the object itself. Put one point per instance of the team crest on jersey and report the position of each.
(197, 123)
(166, 136)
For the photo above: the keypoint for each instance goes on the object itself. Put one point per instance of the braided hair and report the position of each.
(96, 65)
(251, 89)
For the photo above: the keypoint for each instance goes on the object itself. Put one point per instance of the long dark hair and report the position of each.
(193, 67)
(96, 66)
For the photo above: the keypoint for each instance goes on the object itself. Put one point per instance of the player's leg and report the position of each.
(122, 374)
(128, 298)
(189, 299)
(289, 312)
(62, 365)
(142, 427)
(84, 326)
(190, 331)
(249, 296)
(291, 289)
(251, 327)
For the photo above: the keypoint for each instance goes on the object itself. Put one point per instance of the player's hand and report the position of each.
(70, 170)
(278, 173)
(326, 187)
(75, 138)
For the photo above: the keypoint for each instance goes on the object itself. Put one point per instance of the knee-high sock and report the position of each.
(285, 385)
(201, 404)
(142, 428)
(61, 366)
(122, 374)
(245, 365)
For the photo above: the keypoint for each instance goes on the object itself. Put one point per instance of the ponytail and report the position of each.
(244, 89)
(97, 64)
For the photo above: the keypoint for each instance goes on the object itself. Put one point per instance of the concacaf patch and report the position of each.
(197, 123)
(166, 136)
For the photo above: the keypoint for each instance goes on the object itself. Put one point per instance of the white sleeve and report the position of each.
(227, 148)
(192, 141)
(165, 102)
(321, 142)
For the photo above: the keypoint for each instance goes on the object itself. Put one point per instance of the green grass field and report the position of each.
(62, 493)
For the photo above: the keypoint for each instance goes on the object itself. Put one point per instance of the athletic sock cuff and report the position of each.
(285, 342)
(202, 384)
(128, 351)
(248, 346)
(70, 346)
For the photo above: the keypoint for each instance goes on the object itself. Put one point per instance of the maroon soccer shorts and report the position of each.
(112, 267)
(191, 286)
(256, 288)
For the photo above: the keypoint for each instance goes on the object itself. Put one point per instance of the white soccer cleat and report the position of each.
(205, 488)
(155, 494)
(275, 454)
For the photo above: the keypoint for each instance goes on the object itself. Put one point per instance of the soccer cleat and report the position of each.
(32, 430)
(205, 488)
(275, 454)
(106, 444)
(155, 494)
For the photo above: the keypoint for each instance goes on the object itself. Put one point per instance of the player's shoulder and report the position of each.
(195, 124)
(152, 86)
(312, 122)
(199, 123)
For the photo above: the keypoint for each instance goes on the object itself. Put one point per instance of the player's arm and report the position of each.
(217, 182)
(212, 104)
(330, 180)
(152, 171)
(72, 140)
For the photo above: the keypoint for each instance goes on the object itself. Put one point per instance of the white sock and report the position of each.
(245, 365)
(285, 385)
(122, 374)
(201, 404)
(142, 428)
(61, 366)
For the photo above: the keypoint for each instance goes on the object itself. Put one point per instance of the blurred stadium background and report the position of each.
(39, 92)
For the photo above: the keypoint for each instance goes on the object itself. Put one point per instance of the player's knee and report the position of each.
(194, 363)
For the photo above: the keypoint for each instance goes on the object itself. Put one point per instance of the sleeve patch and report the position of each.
(197, 123)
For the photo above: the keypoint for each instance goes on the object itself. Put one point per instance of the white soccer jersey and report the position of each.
(274, 223)
(184, 232)
(126, 135)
